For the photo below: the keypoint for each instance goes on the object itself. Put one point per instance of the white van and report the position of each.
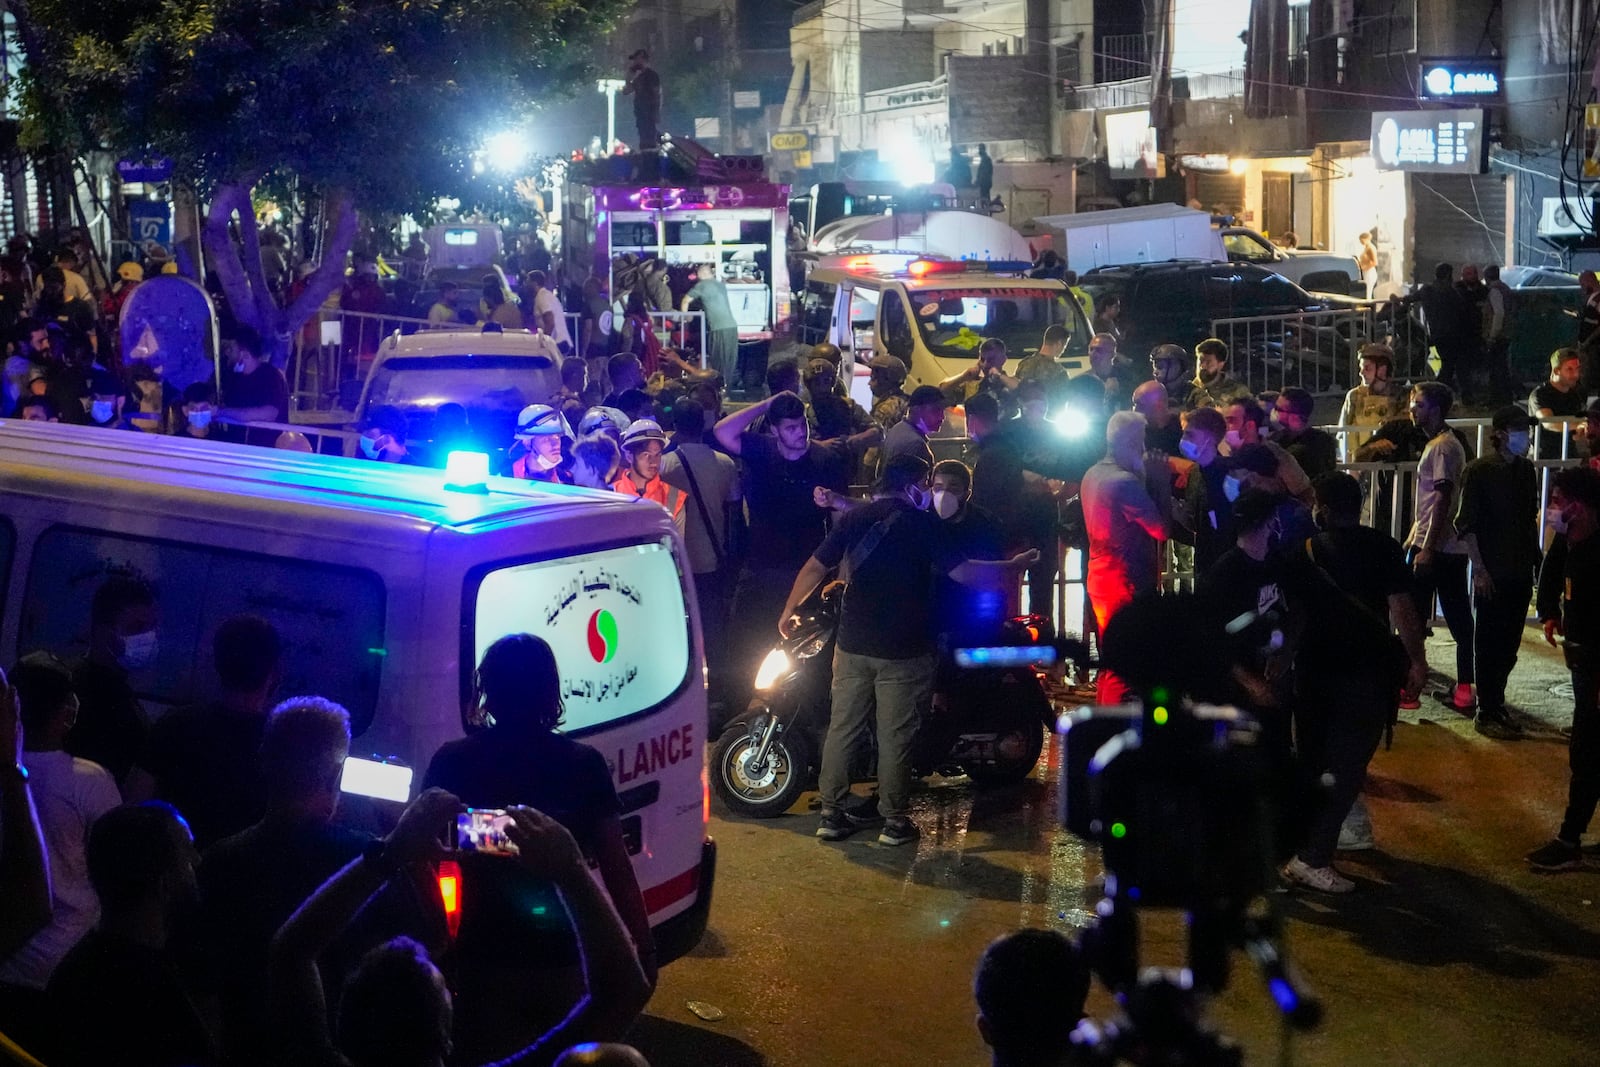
(388, 587)
(933, 313)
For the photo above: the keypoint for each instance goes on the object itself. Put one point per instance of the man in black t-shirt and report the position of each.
(1562, 396)
(254, 390)
(252, 882)
(204, 759)
(782, 471)
(118, 997)
(1497, 519)
(890, 551)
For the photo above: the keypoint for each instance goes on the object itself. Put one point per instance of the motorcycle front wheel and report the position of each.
(763, 791)
(1016, 752)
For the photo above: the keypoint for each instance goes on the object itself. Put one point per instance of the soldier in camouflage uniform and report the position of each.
(889, 399)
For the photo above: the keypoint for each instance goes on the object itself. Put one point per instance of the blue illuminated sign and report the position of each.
(1472, 80)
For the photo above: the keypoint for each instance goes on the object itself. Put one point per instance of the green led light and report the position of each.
(1160, 695)
(539, 910)
(944, 922)
(377, 651)
(1160, 716)
(1118, 830)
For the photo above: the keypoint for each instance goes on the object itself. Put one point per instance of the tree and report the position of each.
(375, 105)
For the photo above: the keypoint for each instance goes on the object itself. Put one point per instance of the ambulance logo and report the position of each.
(603, 636)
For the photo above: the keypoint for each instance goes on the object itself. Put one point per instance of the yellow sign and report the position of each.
(791, 141)
(802, 160)
(1591, 141)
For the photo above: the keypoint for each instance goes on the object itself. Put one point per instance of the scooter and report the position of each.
(987, 722)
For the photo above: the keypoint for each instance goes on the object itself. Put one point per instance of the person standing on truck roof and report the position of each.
(644, 85)
(722, 329)
(985, 180)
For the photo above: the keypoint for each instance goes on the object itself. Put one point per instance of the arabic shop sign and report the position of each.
(1447, 141)
(1476, 80)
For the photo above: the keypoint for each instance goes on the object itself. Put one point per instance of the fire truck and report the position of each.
(686, 207)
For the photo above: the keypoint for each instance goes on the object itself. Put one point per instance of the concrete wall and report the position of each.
(896, 57)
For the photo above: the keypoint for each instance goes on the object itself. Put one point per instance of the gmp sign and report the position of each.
(791, 141)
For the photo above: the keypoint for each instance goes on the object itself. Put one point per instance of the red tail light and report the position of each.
(450, 894)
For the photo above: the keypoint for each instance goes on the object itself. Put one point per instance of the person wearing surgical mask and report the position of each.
(1245, 420)
(885, 657)
(105, 401)
(123, 643)
(253, 390)
(1204, 518)
(968, 616)
(1497, 522)
(383, 436)
(198, 410)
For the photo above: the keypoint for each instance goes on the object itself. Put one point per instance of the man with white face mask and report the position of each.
(1497, 522)
(253, 390)
(111, 725)
(967, 616)
(889, 552)
(1125, 528)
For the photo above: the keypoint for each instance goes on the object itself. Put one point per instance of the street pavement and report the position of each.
(1449, 952)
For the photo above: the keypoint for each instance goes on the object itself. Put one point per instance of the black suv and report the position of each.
(1179, 301)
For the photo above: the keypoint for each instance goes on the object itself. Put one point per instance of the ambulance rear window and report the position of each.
(615, 618)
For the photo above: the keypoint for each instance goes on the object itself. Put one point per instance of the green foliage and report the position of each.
(384, 98)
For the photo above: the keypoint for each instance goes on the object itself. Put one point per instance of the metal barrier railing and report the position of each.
(1315, 350)
(336, 347)
(324, 440)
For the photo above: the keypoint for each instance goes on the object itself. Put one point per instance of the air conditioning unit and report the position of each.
(1572, 217)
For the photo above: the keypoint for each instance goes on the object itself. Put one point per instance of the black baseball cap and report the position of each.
(1510, 417)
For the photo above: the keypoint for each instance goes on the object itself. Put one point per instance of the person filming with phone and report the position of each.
(518, 960)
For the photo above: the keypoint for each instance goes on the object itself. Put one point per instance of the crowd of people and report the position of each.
(191, 877)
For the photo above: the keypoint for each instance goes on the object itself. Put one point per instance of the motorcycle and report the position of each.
(987, 723)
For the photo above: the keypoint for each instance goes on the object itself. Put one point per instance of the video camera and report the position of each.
(1175, 792)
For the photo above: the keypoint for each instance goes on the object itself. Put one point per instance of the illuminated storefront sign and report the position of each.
(1441, 141)
(1461, 79)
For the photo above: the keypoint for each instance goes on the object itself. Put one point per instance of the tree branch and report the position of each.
(330, 272)
(266, 304)
(224, 254)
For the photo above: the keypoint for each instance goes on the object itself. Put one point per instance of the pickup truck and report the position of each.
(1318, 272)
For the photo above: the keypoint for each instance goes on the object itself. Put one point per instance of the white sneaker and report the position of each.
(1356, 833)
(1322, 879)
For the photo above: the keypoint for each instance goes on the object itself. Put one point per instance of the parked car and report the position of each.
(1319, 272)
(492, 374)
(1181, 301)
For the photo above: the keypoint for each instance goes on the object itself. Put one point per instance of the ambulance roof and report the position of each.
(154, 469)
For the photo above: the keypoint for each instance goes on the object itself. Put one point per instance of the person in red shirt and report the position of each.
(642, 445)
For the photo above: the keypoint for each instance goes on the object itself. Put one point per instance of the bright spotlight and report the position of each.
(506, 151)
(1071, 423)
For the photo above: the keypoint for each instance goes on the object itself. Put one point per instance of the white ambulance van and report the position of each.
(388, 585)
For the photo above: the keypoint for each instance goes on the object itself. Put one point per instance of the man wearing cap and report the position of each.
(889, 400)
(1497, 521)
(909, 436)
(642, 445)
(540, 431)
(1372, 403)
(644, 85)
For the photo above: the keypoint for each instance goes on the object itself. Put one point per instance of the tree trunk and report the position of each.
(238, 266)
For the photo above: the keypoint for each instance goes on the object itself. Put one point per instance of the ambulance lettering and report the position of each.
(652, 756)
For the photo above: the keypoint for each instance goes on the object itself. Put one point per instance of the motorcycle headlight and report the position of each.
(774, 667)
